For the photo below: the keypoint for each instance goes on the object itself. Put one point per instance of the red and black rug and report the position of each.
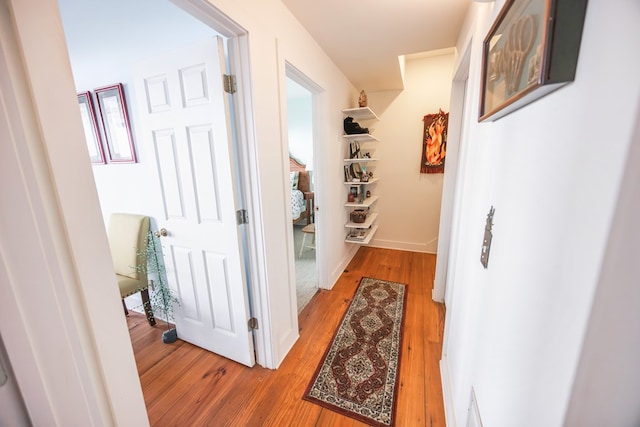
(359, 374)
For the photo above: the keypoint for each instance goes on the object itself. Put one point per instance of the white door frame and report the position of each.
(61, 317)
(68, 342)
(454, 173)
(300, 78)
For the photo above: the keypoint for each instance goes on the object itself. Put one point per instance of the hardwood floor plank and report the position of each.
(411, 396)
(184, 385)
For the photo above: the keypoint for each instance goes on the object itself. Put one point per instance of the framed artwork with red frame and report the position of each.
(91, 131)
(115, 124)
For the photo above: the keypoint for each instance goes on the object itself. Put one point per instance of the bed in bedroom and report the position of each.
(301, 194)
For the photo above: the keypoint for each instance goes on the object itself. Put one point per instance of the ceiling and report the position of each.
(365, 38)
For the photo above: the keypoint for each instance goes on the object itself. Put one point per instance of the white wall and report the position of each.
(409, 205)
(300, 123)
(100, 56)
(552, 170)
(607, 382)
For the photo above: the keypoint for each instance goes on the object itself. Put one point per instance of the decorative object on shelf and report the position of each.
(355, 191)
(358, 216)
(358, 234)
(115, 123)
(531, 50)
(363, 101)
(351, 197)
(356, 171)
(368, 194)
(353, 128)
(354, 150)
(91, 131)
(434, 142)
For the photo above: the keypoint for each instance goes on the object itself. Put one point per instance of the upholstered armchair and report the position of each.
(128, 242)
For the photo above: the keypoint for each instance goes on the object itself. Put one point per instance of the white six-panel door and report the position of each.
(185, 119)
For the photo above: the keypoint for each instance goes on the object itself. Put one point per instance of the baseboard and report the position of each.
(447, 393)
(437, 296)
(335, 275)
(430, 247)
(134, 302)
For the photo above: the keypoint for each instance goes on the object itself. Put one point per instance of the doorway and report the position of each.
(302, 179)
(144, 28)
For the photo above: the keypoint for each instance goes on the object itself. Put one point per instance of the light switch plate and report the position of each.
(486, 241)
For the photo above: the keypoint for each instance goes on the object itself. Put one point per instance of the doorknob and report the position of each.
(161, 233)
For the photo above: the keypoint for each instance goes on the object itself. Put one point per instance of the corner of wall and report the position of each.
(335, 274)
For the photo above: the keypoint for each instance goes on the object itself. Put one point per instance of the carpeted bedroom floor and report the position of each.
(306, 274)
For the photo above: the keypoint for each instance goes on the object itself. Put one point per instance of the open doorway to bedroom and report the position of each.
(301, 174)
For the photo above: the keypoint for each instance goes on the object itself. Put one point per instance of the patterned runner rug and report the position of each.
(359, 374)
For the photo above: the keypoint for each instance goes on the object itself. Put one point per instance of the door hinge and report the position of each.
(242, 216)
(230, 85)
(253, 323)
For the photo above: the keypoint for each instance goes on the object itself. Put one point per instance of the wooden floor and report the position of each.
(184, 385)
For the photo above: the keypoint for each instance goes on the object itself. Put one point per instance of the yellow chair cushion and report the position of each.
(127, 238)
(129, 286)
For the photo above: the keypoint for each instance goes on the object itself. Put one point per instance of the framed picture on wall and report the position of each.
(90, 125)
(115, 123)
(531, 50)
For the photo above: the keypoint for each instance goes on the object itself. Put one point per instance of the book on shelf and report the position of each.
(358, 234)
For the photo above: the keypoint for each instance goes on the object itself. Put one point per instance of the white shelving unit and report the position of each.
(361, 233)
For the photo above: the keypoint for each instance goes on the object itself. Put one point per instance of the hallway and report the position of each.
(185, 385)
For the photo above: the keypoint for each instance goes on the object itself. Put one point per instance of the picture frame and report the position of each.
(347, 174)
(115, 123)
(355, 190)
(90, 126)
(354, 150)
(531, 50)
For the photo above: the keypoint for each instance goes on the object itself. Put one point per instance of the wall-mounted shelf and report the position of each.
(360, 137)
(360, 233)
(364, 160)
(362, 113)
(366, 203)
(371, 218)
(371, 181)
(366, 236)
